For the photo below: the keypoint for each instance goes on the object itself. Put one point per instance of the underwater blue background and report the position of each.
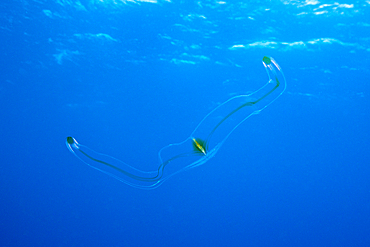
(127, 78)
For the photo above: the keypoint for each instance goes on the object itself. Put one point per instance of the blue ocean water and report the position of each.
(127, 78)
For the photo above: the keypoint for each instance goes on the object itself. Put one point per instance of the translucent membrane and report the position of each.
(200, 146)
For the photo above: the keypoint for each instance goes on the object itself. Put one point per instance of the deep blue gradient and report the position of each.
(128, 78)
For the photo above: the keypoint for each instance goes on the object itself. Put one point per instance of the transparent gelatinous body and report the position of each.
(202, 144)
